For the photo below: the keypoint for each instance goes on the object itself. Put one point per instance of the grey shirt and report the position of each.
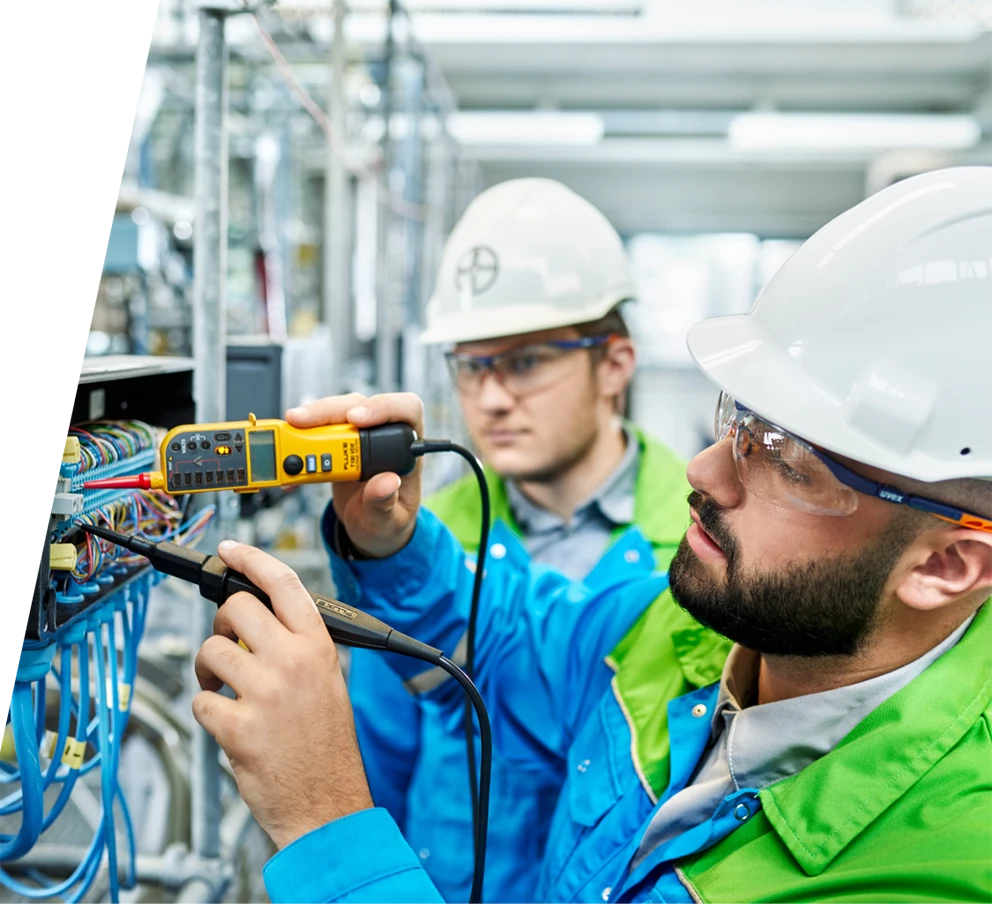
(574, 547)
(756, 746)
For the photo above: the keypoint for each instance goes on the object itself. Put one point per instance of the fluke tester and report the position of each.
(246, 456)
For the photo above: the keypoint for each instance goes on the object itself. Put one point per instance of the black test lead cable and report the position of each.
(423, 447)
(346, 625)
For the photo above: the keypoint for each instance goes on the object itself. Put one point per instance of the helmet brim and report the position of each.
(742, 360)
(474, 326)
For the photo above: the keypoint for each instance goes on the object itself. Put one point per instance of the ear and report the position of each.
(616, 369)
(950, 564)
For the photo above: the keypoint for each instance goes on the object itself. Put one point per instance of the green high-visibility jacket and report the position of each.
(899, 810)
(416, 763)
(661, 512)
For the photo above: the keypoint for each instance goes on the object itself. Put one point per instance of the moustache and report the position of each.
(710, 518)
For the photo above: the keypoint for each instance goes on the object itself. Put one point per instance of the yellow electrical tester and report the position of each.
(246, 456)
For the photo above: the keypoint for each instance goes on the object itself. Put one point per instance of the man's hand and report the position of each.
(379, 514)
(289, 735)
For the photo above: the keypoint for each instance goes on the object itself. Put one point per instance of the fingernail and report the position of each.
(297, 412)
(359, 412)
(226, 545)
(389, 496)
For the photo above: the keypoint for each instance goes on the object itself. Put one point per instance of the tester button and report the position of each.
(311, 464)
(325, 462)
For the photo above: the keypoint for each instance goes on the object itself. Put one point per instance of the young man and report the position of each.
(842, 536)
(527, 296)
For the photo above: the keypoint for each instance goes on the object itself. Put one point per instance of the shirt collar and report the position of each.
(613, 499)
(772, 741)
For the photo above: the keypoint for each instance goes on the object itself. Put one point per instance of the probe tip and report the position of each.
(106, 533)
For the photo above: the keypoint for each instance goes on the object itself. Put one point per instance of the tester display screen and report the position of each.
(262, 454)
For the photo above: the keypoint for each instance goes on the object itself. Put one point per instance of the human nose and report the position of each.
(492, 395)
(713, 472)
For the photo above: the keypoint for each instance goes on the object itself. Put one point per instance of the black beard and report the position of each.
(819, 608)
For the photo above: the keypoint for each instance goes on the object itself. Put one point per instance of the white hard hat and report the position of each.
(527, 255)
(873, 340)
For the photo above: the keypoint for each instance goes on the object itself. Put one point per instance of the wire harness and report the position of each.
(89, 654)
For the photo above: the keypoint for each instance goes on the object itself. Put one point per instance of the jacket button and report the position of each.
(699, 710)
(497, 550)
(631, 556)
(741, 812)
(583, 766)
(423, 853)
(607, 892)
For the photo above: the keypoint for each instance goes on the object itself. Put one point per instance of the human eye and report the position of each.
(523, 362)
(470, 366)
(791, 470)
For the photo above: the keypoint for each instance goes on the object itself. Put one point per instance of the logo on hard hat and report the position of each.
(477, 270)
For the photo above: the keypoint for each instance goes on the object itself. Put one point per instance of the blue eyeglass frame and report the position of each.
(873, 488)
(486, 361)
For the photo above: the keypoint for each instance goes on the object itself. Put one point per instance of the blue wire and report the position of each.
(94, 853)
(40, 709)
(107, 728)
(13, 802)
(12, 847)
(65, 711)
(134, 612)
(106, 777)
(119, 717)
(132, 852)
(82, 710)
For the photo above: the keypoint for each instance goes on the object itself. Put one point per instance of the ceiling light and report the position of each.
(834, 131)
(530, 128)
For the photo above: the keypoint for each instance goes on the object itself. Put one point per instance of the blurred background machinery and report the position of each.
(294, 170)
(715, 135)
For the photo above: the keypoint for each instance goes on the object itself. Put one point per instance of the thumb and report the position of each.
(382, 492)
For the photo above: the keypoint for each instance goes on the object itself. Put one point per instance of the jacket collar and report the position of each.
(902, 739)
(659, 493)
(660, 508)
(665, 655)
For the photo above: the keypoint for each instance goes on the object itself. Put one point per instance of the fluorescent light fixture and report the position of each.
(833, 131)
(530, 7)
(539, 127)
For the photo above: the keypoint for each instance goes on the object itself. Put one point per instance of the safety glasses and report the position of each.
(779, 467)
(520, 371)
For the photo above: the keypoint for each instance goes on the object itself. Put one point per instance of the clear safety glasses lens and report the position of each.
(780, 468)
(520, 371)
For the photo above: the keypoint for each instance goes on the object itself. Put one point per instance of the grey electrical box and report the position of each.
(254, 379)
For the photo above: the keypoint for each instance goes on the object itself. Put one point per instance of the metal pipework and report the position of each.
(209, 349)
(337, 222)
(385, 322)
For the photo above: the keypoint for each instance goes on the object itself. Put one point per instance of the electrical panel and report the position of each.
(73, 689)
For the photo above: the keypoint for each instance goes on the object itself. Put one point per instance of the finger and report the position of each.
(381, 491)
(221, 661)
(245, 617)
(332, 410)
(389, 408)
(217, 714)
(291, 602)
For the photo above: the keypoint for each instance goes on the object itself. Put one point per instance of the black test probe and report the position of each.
(345, 624)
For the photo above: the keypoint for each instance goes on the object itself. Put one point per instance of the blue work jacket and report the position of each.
(543, 644)
(416, 761)
(434, 812)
